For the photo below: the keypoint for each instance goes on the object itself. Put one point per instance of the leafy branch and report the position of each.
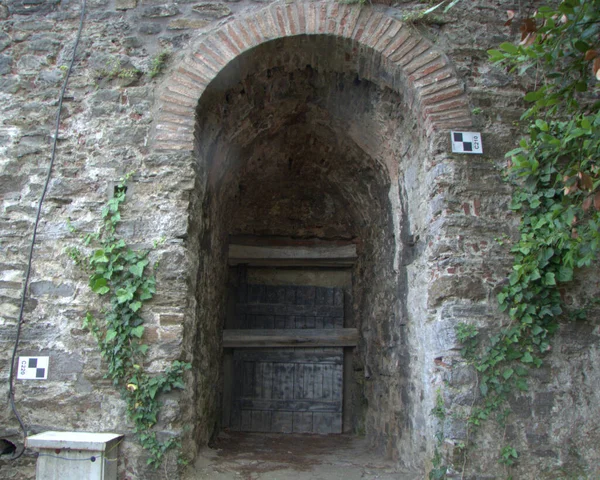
(124, 278)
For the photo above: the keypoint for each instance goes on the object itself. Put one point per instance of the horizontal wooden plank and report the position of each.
(290, 405)
(289, 310)
(290, 356)
(337, 337)
(330, 255)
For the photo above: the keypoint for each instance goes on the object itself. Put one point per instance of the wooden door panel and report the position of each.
(288, 390)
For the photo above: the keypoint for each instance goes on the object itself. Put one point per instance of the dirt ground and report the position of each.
(253, 456)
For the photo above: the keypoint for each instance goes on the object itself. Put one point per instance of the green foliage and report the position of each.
(124, 278)
(439, 411)
(429, 15)
(158, 63)
(508, 456)
(556, 177)
(439, 470)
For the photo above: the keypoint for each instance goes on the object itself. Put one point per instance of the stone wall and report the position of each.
(299, 119)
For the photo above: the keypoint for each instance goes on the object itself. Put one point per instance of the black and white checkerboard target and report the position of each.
(33, 368)
(466, 142)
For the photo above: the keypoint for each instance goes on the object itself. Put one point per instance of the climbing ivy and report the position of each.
(124, 278)
(555, 172)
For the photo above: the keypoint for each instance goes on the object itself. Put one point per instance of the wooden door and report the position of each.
(288, 389)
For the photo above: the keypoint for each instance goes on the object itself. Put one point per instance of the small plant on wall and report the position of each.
(124, 278)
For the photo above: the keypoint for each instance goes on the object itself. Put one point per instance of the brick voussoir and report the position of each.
(196, 69)
(321, 18)
(388, 36)
(226, 45)
(424, 58)
(237, 37)
(175, 109)
(371, 27)
(447, 93)
(175, 128)
(205, 62)
(434, 77)
(439, 86)
(279, 18)
(421, 47)
(333, 17)
(187, 81)
(363, 20)
(411, 43)
(254, 30)
(265, 25)
(178, 99)
(172, 146)
(425, 70)
(449, 114)
(454, 103)
(183, 90)
(301, 15)
(310, 10)
(218, 48)
(384, 25)
(351, 21)
(290, 10)
(172, 136)
(399, 39)
(168, 117)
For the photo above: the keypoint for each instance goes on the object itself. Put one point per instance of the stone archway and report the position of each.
(334, 106)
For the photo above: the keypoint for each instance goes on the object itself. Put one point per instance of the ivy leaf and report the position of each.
(124, 295)
(483, 388)
(507, 373)
(110, 335)
(99, 285)
(527, 358)
(135, 306)
(549, 279)
(565, 274)
(509, 48)
(138, 331)
(138, 268)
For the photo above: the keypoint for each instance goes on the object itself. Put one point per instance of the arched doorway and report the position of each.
(312, 126)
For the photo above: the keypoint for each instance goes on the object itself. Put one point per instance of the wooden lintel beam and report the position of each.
(331, 255)
(336, 337)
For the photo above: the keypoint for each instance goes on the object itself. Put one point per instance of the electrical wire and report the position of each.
(11, 392)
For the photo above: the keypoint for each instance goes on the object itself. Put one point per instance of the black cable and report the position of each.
(11, 393)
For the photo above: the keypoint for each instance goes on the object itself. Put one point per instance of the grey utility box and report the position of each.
(76, 455)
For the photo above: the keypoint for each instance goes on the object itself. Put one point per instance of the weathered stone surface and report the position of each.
(5, 41)
(212, 10)
(160, 11)
(6, 62)
(185, 23)
(150, 28)
(125, 4)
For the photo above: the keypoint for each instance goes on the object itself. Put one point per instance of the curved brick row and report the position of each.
(426, 77)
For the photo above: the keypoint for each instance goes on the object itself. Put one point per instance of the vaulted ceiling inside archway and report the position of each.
(296, 145)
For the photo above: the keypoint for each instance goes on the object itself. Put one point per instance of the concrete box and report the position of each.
(76, 455)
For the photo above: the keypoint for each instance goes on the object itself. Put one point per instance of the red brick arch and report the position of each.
(404, 61)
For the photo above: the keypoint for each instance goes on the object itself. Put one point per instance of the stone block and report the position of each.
(161, 11)
(6, 62)
(45, 287)
(212, 10)
(458, 286)
(125, 4)
(187, 23)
